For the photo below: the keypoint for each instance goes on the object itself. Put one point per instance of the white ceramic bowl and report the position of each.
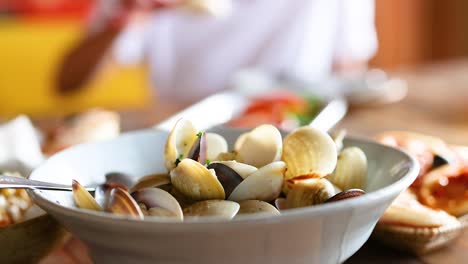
(328, 233)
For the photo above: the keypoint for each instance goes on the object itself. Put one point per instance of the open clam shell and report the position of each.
(265, 184)
(309, 192)
(162, 203)
(179, 142)
(308, 151)
(83, 198)
(256, 207)
(196, 182)
(212, 208)
(120, 178)
(121, 203)
(215, 144)
(260, 146)
(348, 194)
(244, 170)
(153, 180)
(351, 169)
(102, 192)
(228, 177)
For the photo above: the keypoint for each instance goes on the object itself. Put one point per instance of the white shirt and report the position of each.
(192, 55)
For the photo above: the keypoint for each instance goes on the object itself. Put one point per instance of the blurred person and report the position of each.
(191, 55)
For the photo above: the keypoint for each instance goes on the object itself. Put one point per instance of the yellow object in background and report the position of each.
(30, 52)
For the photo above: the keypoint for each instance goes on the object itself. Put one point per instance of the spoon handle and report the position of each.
(22, 183)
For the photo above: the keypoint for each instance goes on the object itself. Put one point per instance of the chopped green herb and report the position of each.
(179, 159)
(208, 162)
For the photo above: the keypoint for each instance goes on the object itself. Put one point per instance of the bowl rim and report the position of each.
(286, 216)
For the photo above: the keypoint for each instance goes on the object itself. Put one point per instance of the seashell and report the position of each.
(309, 192)
(83, 199)
(308, 151)
(346, 195)
(261, 146)
(198, 150)
(351, 169)
(265, 184)
(196, 182)
(153, 180)
(228, 177)
(162, 212)
(212, 208)
(240, 140)
(120, 178)
(226, 156)
(256, 207)
(215, 144)
(280, 203)
(158, 198)
(179, 143)
(183, 200)
(244, 170)
(143, 209)
(102, 192)
(121, 203)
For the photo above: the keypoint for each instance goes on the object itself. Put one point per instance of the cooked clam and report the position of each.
(309, 192)
(256, 207)
(226, 156)
(162, 212)
(215, 145)
(265, 184)
(196, 182)
(198, 151)
(351, 169)
(159, 200)
(308, 151)
(212, 208)
(102, 192)
(179, 143)
(228, 177)
(121, 203)
(280, 203)
(346, 195)
(120, 178)
(153, 180)
(244, 170)
(240, 140)
(260, 146)
(83, 198)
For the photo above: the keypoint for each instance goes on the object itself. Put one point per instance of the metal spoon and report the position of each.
(22, 183)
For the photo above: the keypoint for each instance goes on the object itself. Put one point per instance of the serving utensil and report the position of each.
(22, 183)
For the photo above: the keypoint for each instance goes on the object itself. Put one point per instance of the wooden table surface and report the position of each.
(436, 104)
